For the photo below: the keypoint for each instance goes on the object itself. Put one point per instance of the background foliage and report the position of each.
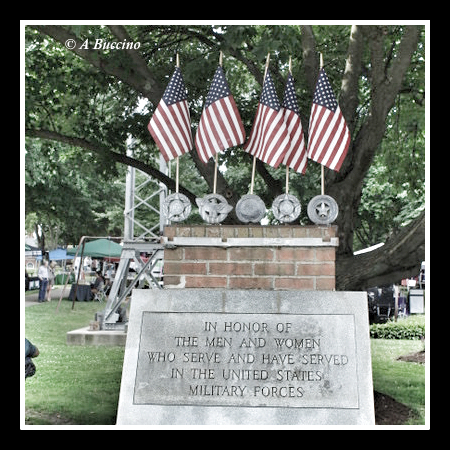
(99, 97)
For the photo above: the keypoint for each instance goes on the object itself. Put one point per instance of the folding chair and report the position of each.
(100, 295)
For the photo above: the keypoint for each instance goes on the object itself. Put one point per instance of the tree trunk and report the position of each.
(40, 238)
(346, 186)
(398, 258)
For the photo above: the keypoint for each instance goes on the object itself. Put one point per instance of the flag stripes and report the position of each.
(329, 137)
(269, 136)
(220, 127)
(296, 156)
(170, 125)
(171, 130)
(276, 136)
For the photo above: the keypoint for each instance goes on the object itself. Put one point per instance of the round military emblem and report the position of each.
(176, 207)
(286, 208)
(323, 209)
(250, 208)
(213, 208)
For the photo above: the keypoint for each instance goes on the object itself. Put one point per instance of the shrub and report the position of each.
(411, 328)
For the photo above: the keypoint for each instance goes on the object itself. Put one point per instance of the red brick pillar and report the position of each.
(250, 257)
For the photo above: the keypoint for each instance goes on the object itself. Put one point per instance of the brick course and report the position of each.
(276, 257)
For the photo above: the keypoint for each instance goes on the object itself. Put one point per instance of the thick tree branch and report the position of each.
(398, 258)
(142, 80)
(118, 157)
(402, 61)
(138, 61)
(348, 100)
(310, 57)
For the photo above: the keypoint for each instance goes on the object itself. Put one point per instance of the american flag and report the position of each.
(220, 125)
(170, 125)
(295, 157)
(329, 137)
(269, 138)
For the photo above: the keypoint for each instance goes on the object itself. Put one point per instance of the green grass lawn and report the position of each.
(81, 384)
(404, 381)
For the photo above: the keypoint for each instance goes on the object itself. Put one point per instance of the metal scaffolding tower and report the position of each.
(113, 317)
(134, 268)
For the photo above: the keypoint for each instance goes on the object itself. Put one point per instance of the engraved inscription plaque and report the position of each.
(246, 357)
(280, 360)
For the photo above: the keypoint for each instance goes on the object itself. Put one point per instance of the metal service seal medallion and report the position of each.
(176, 207)
(323, 209)
(286, 208)
(250, 208)
(213, 208)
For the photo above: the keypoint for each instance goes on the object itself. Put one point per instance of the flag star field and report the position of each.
(290, 99)
(175, 91)
(324, 95)
(219, 88)
(269, 96)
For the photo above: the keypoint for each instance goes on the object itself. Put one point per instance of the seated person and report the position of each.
(31, 351)
(98, 283)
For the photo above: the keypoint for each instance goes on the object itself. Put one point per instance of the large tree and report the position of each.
(85, 96)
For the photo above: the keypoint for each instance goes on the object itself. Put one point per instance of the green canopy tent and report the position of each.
(100, 248)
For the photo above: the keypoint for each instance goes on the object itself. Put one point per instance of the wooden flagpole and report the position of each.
(254, 157)
(322, 172)
(177, 176)
(177, 170)
(287, 167)
(216, 160)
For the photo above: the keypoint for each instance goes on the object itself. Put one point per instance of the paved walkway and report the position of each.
(31, 298)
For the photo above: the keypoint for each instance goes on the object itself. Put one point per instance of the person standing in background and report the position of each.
(51, 280)
(43, 280)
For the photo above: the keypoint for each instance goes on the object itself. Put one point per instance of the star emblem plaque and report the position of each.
(323, 209)
(286, 208)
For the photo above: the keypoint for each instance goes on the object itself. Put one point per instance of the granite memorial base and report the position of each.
(247, 357)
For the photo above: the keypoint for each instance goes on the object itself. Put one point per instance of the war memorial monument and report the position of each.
(248, 329)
